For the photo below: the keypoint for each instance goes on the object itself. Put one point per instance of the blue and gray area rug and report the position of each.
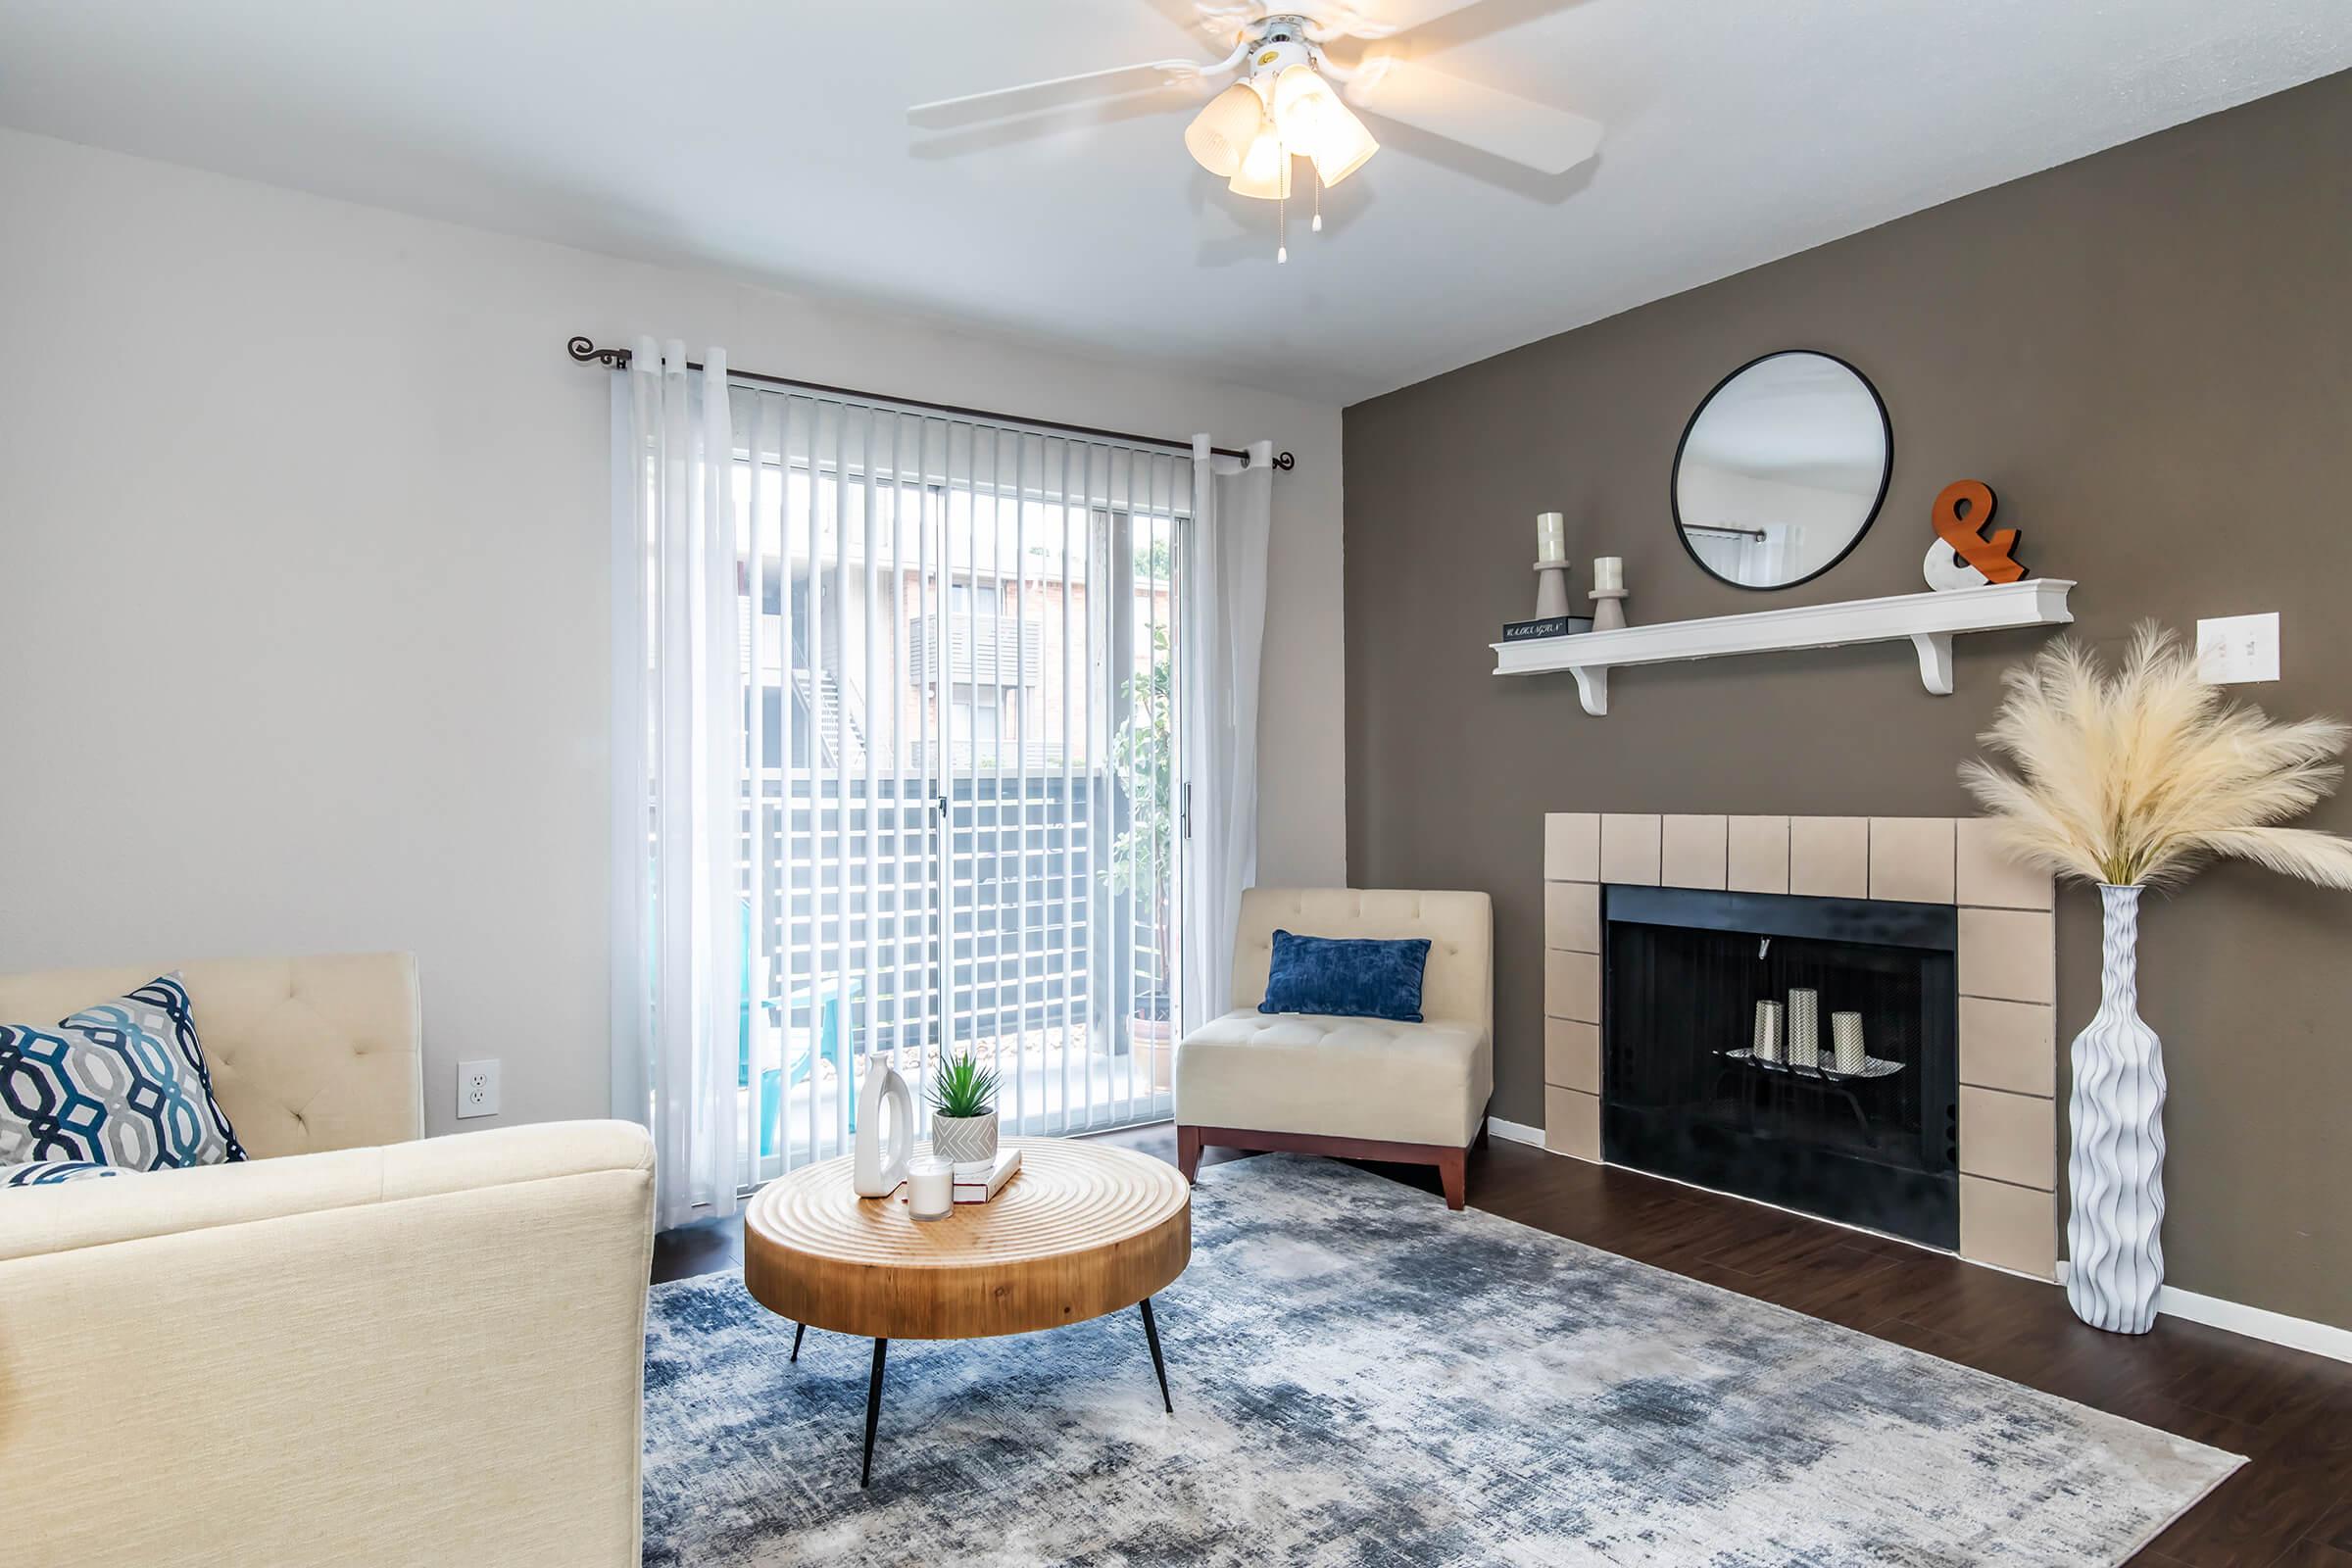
(1363, 1378)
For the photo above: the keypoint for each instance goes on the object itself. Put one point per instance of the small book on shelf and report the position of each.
(1520, 631)
(978, 1181)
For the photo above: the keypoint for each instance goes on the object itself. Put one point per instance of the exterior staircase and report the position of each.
(837, 727)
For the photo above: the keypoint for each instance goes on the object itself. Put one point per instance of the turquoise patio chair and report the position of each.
(827, 1041)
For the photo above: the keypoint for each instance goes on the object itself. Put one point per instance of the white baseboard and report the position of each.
(1515, 1132)
(2254, 1322)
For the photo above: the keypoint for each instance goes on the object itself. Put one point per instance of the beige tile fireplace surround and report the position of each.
(2006, 964)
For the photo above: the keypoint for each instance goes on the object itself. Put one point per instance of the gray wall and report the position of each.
(2148, 355)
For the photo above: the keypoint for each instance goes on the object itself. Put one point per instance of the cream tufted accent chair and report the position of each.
(1351, 1088)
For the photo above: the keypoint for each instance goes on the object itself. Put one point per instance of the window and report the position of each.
(976, 717)
(957, 786)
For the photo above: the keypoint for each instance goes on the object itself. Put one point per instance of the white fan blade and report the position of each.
(1520, 129)
(1033, 96)
(1380, 18)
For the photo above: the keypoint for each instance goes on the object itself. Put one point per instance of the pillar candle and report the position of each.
(930, 1188)
(1608, 572)
(1552, 536)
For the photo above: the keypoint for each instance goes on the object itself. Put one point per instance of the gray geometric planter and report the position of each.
(965, 1139)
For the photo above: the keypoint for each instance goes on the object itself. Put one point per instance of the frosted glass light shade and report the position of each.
(1220, 135)
(1301, 96)
(1314, 123)
(1347, 145)
(1265, 170)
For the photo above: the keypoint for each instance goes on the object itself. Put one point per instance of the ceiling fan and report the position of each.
(1285, 107)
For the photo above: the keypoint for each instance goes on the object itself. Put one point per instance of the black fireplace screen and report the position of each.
(1692, 1089)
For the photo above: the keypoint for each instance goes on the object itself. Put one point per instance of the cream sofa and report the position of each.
(357, 1347)
(1353, 1088)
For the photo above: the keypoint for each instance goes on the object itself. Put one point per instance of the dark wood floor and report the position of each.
(2290, 1412)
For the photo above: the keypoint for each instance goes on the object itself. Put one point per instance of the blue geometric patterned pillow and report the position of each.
(49, 1172)
(123, 1083)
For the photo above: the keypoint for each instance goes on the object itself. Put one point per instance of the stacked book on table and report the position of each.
(978, 1181)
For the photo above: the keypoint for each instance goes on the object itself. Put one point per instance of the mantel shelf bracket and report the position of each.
(1593, 688)
(1934, 662)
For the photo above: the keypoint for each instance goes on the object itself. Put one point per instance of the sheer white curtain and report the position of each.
(679, 698)
(1224, 628)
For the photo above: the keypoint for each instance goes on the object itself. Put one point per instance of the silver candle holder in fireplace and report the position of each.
(1768, 1031)
(1805, 1027)
(1846, 1043)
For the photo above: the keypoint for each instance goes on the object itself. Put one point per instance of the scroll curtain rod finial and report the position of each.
(584, 350)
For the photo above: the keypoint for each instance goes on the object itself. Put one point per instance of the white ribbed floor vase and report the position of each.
(2116, 1178)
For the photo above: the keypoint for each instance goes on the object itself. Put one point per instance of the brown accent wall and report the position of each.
(2148, 355)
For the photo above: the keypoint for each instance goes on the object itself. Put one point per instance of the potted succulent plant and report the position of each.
(964, 1111)
(2133, 780)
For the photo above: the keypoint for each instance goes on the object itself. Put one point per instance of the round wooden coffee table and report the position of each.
(1084, 1230)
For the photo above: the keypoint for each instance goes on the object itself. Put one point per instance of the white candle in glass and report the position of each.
(1608, 572)
(1552, 536)
(930, 1188)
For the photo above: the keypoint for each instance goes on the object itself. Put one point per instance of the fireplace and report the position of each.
(1691, 1091)
(1918, 924)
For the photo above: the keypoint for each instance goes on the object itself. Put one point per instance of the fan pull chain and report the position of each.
(1282, 229)
(1318, 224)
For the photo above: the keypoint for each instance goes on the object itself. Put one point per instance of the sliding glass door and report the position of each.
(960, 784)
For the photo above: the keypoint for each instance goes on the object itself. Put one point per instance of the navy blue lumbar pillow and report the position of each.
(1347, 977)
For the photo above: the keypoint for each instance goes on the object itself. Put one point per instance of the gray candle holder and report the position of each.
(1552, 589)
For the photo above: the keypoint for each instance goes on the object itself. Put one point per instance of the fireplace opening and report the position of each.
(1701, 1085)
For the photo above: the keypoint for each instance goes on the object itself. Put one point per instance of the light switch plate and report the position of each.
(2238, 648)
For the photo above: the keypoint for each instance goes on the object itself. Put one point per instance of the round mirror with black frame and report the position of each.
(1782, 469)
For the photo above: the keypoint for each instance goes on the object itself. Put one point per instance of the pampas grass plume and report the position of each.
(2145, 774)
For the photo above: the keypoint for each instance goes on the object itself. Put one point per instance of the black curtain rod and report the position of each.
(584, 350)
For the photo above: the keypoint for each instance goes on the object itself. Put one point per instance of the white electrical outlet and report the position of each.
(477, 1088)
(2238, 648)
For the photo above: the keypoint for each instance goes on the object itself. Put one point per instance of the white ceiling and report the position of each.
(767, 139)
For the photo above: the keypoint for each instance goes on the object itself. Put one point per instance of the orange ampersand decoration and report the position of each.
(1962, 510)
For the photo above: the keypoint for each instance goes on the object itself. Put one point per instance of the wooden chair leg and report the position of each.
(1188, 1151)
(1453, 1172)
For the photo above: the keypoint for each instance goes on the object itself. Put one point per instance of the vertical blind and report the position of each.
(960, 799)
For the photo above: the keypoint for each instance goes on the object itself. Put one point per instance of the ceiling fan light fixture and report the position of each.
(1265, 170)
(1285, 102)
(1220, 135)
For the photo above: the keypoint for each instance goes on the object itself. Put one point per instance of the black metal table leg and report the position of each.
(1151, 1333)
(873, 1405)
(798, 1329)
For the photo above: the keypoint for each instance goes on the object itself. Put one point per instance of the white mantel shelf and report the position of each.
(1927, 621)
